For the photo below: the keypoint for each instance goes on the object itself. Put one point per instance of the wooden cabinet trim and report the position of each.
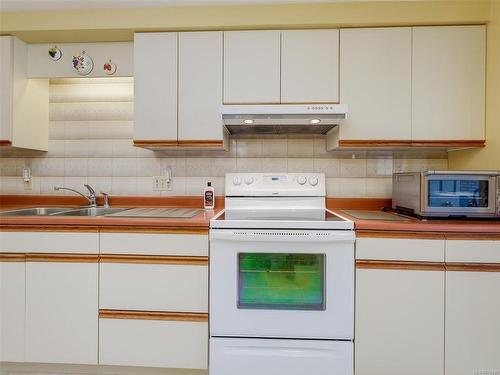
(12, 257)
(474, 236)
(179, 143)
(473, 267)
(154, 230)
(153, 315)
(410, 143)
(399, 265)
(62, 258)
(402, 235)
(155, 259)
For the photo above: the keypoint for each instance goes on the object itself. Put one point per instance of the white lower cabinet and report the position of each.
(61, 312)
(399, 325)
(153, 343)
(472, 307)
(12, 296)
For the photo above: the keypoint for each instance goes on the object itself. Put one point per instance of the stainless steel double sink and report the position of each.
(148, 212)
(63, 211)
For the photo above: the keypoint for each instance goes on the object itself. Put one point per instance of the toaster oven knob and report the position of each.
(313, 181)
(301, 180)
(236, 180)
(248, 180)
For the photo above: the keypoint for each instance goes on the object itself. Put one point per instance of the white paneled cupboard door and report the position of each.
(12, 294)
(155, 86)
(200, 86)
(309, 66)
(399, 322)
(472, 307)
(448, 83)
(251, 67)
(62, 311)
(375, 81)
(6, 70)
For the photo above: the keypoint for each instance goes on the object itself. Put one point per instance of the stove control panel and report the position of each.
(275, 184)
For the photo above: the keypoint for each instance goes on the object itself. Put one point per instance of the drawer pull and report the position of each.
(153, 315)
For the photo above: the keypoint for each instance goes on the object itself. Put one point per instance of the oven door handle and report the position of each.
(265, 235)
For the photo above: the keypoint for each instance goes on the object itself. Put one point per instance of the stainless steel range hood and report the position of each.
(282, 119)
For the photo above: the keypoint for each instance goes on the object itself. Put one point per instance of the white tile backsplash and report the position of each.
(91, 127)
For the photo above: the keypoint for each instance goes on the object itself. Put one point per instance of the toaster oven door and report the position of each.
(459, 195)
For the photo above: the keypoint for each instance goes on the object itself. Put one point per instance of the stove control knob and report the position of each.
(302, 180)
(248, 180)
(313, 181)
(236, 181)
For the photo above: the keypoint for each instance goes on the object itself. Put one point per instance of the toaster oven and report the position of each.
(473, 194)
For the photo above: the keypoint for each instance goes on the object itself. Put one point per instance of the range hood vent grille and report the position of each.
(282, 119)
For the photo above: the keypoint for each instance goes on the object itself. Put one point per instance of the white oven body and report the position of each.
(235, 356)
(333, 321)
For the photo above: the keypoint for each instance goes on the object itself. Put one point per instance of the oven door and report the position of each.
(459, 195)
(282, 283)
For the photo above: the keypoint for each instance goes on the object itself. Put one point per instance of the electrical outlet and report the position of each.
(162, 183)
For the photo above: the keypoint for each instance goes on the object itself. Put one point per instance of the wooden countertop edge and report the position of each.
(427, 266)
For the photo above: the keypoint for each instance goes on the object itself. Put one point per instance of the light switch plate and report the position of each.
(162, 183)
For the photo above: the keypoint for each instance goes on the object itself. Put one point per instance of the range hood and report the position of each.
(282, 119)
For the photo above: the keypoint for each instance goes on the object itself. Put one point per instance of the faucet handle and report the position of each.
(106, 199)
(89, 188)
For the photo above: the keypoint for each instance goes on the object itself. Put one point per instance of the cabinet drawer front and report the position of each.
(400, 249)
(154, 244)
(479, 251)
(153, 343)
(49, 242)
(154, 287)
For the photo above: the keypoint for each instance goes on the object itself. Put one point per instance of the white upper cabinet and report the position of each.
(200, 86)
(375, 81)
(251, 67)
(309, 66)
(155, 86)
(24, 103)
(448, 83)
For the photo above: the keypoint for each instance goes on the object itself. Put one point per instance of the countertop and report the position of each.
(201, 221)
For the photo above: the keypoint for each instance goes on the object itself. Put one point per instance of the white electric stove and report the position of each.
(281, 279)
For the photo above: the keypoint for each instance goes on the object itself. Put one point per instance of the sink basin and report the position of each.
(92, 211)
(38, 211)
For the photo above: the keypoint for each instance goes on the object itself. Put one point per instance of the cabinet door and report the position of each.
(375, 81)
(472, 323)
(309, 66)
(61, 312)
(155, 86)
(448, 83)
(12, 295)
(399, 322)
(252, 67)
(5, 88)
(200, 86)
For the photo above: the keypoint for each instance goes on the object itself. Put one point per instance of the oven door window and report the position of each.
(281, 281)
(458, 193)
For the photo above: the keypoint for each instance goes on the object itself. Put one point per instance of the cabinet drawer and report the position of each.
(476, 251)
(153, 343)
(154, 287)
(154, 244)
(404, 249)
(49, 242)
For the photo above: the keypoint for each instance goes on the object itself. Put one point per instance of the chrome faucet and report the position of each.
(92, 197)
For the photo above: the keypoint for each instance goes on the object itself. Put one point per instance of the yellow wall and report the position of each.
(489, 157)
(119, 24)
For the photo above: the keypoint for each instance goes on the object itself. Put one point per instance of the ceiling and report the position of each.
(54, 5)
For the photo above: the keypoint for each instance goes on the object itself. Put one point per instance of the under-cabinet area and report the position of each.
(93, 296)
(432, 301)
